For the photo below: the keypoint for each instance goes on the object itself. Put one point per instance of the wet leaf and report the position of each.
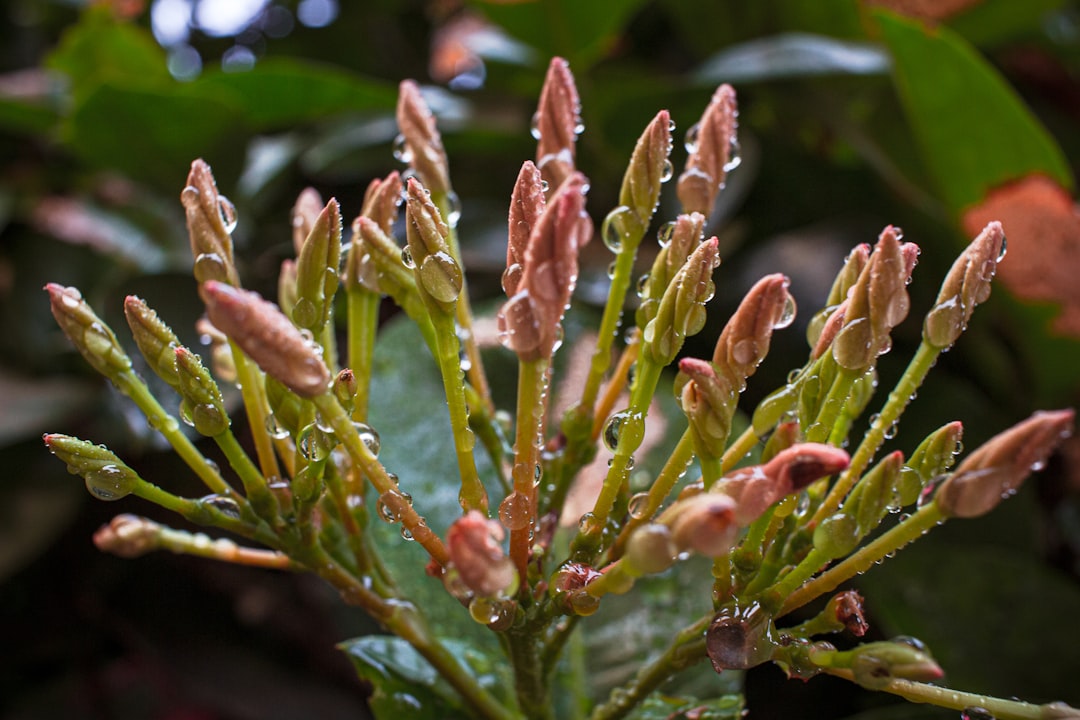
(793, 55)
(974, 132)
(662, 707)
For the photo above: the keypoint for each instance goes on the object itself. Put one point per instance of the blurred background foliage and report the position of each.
(936, 116)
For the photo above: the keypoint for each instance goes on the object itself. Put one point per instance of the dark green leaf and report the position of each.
(581, 32)
(278, 92)
(974, 131)
(406, 685)
(662, 707)
(792, 55)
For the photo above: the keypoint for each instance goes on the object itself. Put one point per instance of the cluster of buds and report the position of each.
(780, 530)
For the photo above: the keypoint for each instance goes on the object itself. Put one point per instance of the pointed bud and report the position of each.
(556, 124)
(285, 408)
(877, 303)
(211, 218)
(709, 401)
(267, 337)
(649, 168)
(830, 326)
(106, 475)
(155, 339)
(966, 285)
(203, 407)
(86, 331)
(784, 436)
(304, 213)
(382, 200)
(423, 144)
(681, 312)
(710, 143)
(530, 321)
(685, 235)
(937, 453)
(438, 276)
(996, 469)
(128, 536)
(393, 277)
(473, 542)
(286, 288)
(756, 488)
(317, 270)
(875, 665)
(877, 493)
(744, 341)
(344, 389)
(526, 207)
(846, 608)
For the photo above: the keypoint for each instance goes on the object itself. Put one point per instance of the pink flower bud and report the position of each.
(423, 144)
(556, 124)
(711, 141)
(473, 542)
(308, 205)
(128, 536)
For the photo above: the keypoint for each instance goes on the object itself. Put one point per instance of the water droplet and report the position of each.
(368, 436)
(898, 232)
(209, 420)
(734, 155)
(739, 638)
(185, 413)
(544, 186)
(109, 482)
(667, 171)
(406, 258)
(228, 213)
(534, 125)
(643, 285)
(787, 315)
(692, 136)
(406, 534)
(911, 641)
(745, 352)
(890, 432)
(401, 150)
(210, 266)
(514, 513)
(314, 444)
(519, 329)
(664, 234)
(582, 603)
(616, 227)
(928, 492)
(453, 210)
(638, 506)
(976, 713)
(225, 505)
(388, 504)
(441, 276)
(1004, 249)
(613, 428)
(275, 429)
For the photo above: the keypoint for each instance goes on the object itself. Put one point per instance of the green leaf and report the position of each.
(406, 685)
(662, 707)
(155, 133)
(279, 92)
(974, 131)
(581, 32)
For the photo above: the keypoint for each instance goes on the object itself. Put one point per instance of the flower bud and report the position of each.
(438, 275)
(784, 436)
(155, 339)
(877, 303)
(380, 261)
(710, 143)
(203, 407)
(317, 270)
(996, 469)
(473, 544)
(650, 549)
(681, 312)
(937, 452)
(526, 207)
(308, 205)
(106, 475)
(704, 523)
(966, 285)
(344, 389)
(381, 201)
(556, 124)
(267, 337)
(648, 169)
(211, 218)
(128, 536)
(86, 331)
(744, 341)
(846, 608)
(423, 145)
(708, 400)
(684, 235)
(877, 493)
(845, 280)
(875, 665)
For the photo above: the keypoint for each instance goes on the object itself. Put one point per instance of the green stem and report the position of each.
(529, 683)
(473, 494)
(832, 407)
(898, 400)
(254, 393)
(999, 708)
(686, 649)
(133, 386)
(363, 322)
(773, 598)
(864, 558)
(532, 377)
(255, 487)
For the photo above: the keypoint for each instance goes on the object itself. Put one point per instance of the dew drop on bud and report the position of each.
(441, 276)
(453, 211)
(667, 171)
(368, 436)
(692, 135)
(643, 285)
(534, 125)
(612, 428)
(401, 150)
(210, 266)
(734, 155)
(614, 228)
(406, 258)
(109, 482)
(787, 315)
(275, 429)
(228, 213)
(1004, 249)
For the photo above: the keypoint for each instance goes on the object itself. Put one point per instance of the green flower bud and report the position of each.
(677, 241)
(155, 339)
(211, 218)
(304, 213)
(86, 331)
(128, 536)
(937, 453)
(381, 201)
(203, 407)
(106, 475)
(875, 665)
(438, 276)
(317, 270)
(837, 535)
(877, 493)
(966, 285)
(682, 309)
(648, 169)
